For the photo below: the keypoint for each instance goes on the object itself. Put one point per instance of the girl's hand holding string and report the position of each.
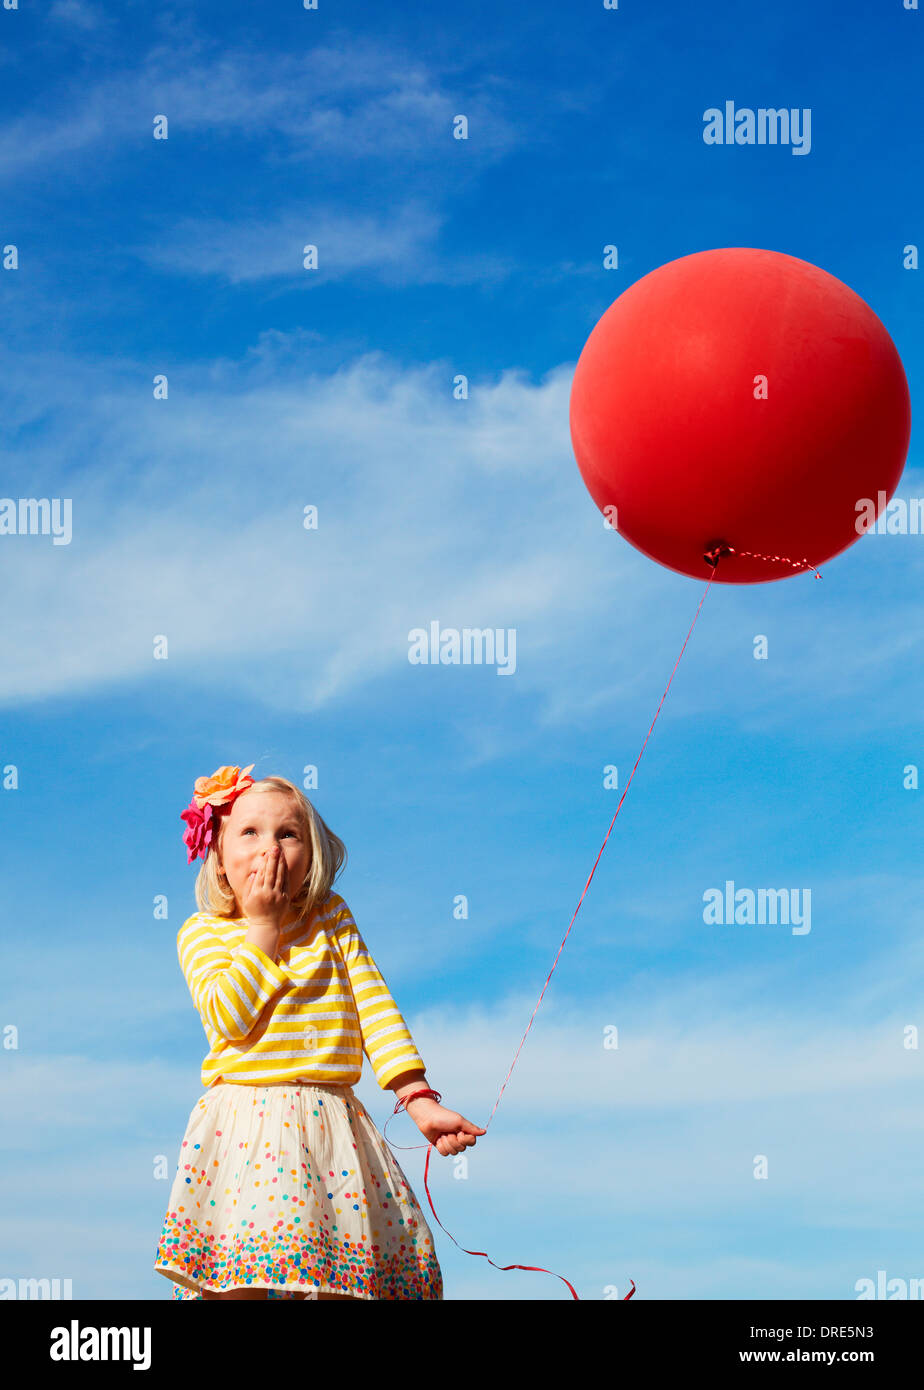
(447, 1130)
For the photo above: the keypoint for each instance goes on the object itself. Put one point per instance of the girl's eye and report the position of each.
(250, 831)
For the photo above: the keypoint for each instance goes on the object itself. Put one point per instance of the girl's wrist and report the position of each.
(420, 1100)
(427, 1107)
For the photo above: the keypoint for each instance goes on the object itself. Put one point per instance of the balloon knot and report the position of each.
(716, 549)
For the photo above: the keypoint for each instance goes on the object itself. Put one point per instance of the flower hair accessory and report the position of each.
(212, 797)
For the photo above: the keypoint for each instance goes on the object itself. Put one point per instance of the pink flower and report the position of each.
(213, 798)
(200, 827)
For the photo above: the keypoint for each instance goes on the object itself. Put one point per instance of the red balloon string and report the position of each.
(784, 559)
(715, 557)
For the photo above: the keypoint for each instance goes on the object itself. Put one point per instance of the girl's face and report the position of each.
(258, 820)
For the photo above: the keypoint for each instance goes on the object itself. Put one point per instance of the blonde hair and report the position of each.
(215, 897)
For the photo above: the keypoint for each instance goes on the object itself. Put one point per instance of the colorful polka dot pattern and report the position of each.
(291, 1187)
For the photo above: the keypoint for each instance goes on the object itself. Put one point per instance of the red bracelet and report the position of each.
(403, 1100)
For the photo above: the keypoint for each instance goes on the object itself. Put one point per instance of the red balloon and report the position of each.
(743, 397)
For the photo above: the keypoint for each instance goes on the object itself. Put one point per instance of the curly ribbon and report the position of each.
(712, 558)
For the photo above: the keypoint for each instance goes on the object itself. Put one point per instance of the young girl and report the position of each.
(284, 1186)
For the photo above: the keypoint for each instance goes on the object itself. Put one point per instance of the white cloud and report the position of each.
(351, 99)
(426, 511)
(395, 247)
(76, 12)
(188, 523)
(592, 1160)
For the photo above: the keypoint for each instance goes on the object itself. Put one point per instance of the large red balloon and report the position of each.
(742, 396)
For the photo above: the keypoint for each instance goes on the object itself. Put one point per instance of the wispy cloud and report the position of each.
(396, 248)
(78, 13)
(353, 99)
(485, 494)
(706, 1077)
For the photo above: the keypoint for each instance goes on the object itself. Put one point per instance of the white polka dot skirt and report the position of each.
(290, 1187)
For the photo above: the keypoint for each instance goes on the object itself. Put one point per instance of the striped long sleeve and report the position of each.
(229, 987)
(386, 1039)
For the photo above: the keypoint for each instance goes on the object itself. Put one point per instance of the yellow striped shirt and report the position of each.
(307, 1016)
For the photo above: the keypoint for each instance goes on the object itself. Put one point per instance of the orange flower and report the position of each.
(222, 787)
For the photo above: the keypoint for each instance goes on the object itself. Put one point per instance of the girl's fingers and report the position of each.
(272, 872)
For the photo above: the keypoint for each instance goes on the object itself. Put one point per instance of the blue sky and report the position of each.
(289, 647)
